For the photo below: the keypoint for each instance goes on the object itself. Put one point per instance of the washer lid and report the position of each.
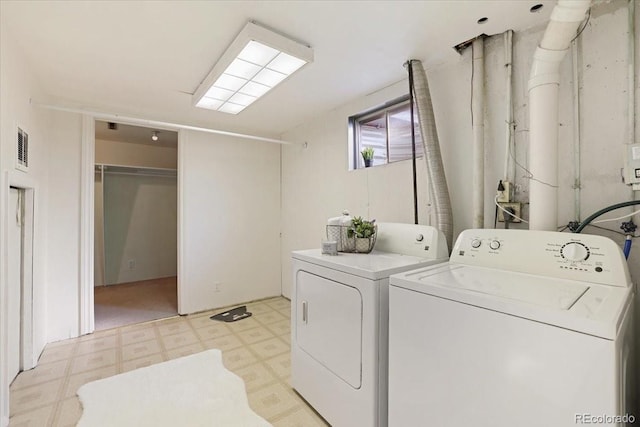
(374, 265)
(537, 290)
(580, 306)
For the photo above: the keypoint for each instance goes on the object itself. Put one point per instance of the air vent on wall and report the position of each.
(22, 155)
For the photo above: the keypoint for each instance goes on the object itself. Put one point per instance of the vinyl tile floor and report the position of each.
(256, 348)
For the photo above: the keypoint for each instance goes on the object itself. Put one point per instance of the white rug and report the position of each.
(195, 390)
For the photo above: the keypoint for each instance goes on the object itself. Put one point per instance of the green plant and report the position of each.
(367, 153)
(362, 228)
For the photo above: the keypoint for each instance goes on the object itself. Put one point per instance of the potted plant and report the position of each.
(367, 155)
(364, 233)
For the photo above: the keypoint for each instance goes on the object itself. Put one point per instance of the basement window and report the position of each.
(387, 130)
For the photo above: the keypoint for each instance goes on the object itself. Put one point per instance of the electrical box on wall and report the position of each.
(505, 192)
(632, 166)
(514, 208)
(22, 150)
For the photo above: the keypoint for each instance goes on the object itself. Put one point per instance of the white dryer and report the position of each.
(339, 322)
(519, 328)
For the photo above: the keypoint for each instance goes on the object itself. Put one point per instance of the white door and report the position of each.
(15, 279)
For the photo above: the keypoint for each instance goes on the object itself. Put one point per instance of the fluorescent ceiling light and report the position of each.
(257, 61)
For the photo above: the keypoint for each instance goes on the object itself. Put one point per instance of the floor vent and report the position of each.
(22, 156)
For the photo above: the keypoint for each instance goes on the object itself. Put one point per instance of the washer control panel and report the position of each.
(584, 257)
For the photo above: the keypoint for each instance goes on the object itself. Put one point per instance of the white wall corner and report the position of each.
(4, 367)
(86, 309)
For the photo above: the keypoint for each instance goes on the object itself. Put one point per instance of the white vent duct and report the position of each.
(544, 84)
(431, 145)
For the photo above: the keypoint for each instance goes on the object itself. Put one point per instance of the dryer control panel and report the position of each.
(411, 239)
(584, 257)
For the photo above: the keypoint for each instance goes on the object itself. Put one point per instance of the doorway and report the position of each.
(19, 267)
(135, 224)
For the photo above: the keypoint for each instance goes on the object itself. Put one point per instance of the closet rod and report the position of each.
(135, 170)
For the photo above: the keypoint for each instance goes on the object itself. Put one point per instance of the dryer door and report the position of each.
(329, 325)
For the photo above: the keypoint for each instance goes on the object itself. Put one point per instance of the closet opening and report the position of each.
(135, 224)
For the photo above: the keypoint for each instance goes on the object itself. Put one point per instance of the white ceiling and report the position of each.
(144, 58)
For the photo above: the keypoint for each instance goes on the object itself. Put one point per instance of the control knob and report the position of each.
(574, 251)
(494, 244)
(419, 238)
(475, 243)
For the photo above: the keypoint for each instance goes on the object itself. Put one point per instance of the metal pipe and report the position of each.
(509, 148)
(413, 148)
(631, 79)
(477, 123)
(631, 75)
(576, 63)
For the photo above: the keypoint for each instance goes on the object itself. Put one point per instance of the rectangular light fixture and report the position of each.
(256, 62)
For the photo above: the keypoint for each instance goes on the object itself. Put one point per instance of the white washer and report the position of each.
(519, 328)
(339, 322)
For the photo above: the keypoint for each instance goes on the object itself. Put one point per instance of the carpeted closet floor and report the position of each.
(135, 302)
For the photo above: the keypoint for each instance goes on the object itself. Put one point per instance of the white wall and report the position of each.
(140, 220)
(130, 154)
(231, 188)
(316, 184)
(17, 86)
(63, 226)
(230, 193)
